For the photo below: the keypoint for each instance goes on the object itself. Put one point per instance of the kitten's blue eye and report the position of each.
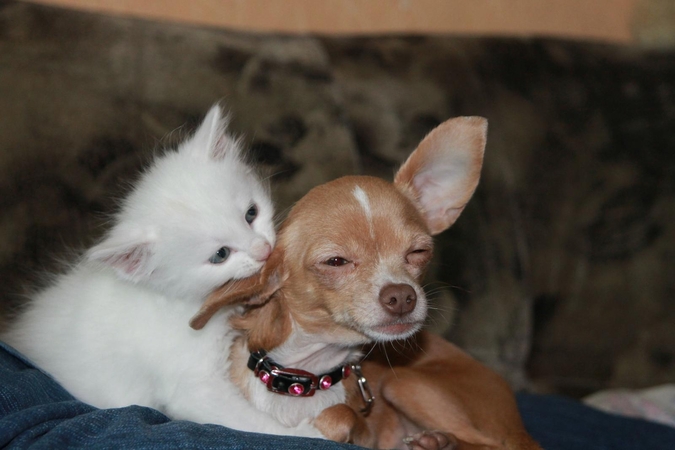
(220, 256)
(251, 214)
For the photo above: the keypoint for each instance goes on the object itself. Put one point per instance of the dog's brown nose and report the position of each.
(398, 299)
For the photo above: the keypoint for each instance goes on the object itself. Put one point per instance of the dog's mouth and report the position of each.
(396, 330)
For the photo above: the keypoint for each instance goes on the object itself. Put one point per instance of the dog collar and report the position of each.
(294, 382)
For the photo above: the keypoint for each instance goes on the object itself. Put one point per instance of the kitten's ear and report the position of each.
(441, 175)
(254, 290)
(129, 255)
(211, 140)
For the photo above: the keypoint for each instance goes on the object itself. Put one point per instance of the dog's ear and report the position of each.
(441, 175)
(266, 326)
(253, 290)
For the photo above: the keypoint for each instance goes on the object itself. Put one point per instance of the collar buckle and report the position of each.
(366, 393)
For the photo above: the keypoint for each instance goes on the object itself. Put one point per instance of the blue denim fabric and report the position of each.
(562, 424)
(36, 412)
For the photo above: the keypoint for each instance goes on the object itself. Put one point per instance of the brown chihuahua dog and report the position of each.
(345, 273)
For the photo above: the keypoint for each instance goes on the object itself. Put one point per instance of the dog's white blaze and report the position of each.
(363, 200)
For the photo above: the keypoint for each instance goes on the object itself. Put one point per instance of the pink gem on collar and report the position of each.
(296, 389)
(325, 382)
(264, 376)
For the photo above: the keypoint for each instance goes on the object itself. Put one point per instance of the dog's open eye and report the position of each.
(336, 261)
(251, 214)
(220, 256)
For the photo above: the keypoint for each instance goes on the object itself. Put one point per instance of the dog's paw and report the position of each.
(431, 440)
(307, 429)
(340, 423)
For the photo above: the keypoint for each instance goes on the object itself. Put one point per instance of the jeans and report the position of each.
(37, 412)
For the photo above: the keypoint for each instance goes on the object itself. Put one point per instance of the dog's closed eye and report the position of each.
(418, 256)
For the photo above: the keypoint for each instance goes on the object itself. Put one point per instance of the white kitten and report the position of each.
(114, 330)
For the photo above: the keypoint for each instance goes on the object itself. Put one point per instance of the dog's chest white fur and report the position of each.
(302, 352)
(291, 411)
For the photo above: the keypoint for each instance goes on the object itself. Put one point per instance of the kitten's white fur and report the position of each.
(114, 329)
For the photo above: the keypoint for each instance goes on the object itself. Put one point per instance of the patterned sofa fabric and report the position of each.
(559, 273)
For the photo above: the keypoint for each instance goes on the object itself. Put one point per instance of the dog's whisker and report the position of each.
(420, 349)
(440, 312)
(445, 319)
(443, 308)
(280, 216)
(369, 352)
(400, 351)
(386, 355)
(433, 283)
(446, 285)
(414, 345)
(436, 305)
(435, 290)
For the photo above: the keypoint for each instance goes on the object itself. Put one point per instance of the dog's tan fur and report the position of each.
(430, 384)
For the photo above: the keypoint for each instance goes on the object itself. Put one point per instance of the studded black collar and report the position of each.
(294, 382)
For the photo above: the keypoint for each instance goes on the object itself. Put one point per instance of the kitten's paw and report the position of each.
(431, 440)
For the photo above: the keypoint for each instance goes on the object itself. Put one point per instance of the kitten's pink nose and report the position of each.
(261, 251)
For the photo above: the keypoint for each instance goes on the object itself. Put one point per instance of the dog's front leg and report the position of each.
(340, 423)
